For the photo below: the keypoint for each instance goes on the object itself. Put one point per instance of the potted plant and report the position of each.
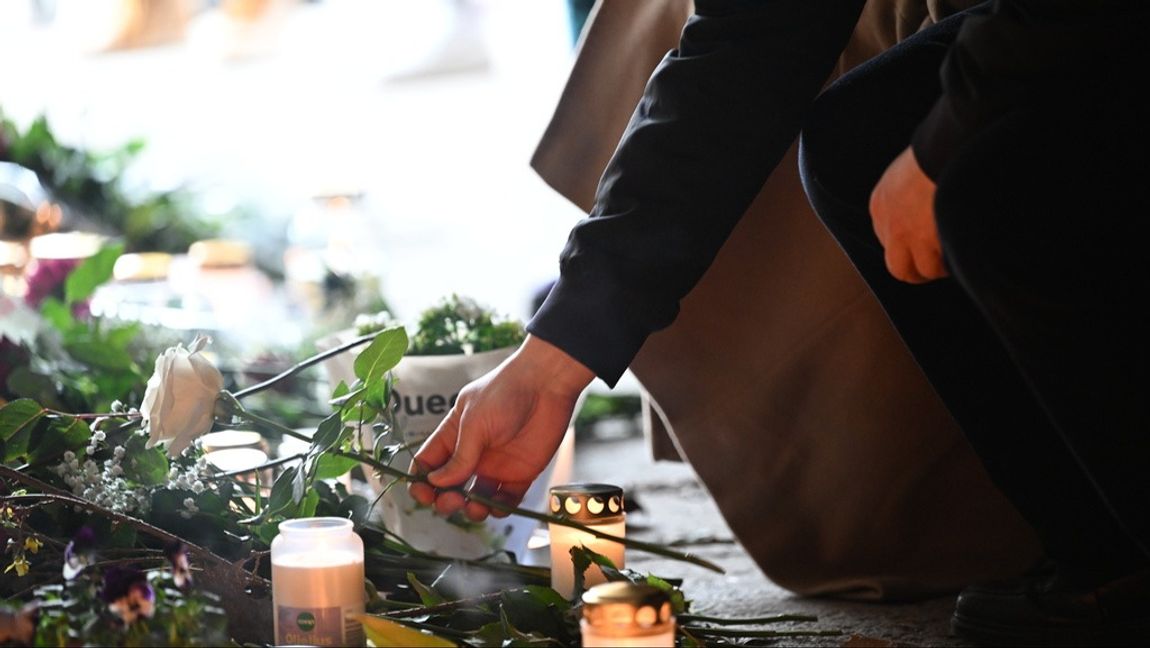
(456, 341)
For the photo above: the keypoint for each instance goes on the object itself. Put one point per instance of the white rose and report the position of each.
(180, 400)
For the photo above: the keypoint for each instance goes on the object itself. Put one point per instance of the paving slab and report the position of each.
(676, 508)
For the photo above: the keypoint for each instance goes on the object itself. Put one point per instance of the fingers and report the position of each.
(506, 493)
(436, 450)
(900, 263)
(484, 487)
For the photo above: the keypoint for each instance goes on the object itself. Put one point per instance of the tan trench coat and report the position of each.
(782, 382)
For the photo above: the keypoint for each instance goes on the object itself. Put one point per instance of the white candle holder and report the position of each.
(317, 582)
(627, 614)
(599, 506)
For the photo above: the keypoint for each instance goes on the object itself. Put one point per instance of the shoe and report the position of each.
(1046, 609)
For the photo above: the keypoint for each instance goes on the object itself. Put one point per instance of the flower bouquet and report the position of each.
(117, 529)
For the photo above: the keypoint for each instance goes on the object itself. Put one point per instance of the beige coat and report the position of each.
(781, 381)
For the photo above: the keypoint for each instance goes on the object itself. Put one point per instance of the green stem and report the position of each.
(444, 607)
(487, 501)
(542, 517)
(259, 468)
(269, 424)
(312, 361)
(779, 618)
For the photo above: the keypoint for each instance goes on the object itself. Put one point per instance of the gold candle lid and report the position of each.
(584, 502)
(622, 608)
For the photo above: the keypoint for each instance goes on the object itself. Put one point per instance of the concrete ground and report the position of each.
(675, 507)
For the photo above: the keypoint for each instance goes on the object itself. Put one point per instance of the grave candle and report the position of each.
(626, 614)
(599, 506)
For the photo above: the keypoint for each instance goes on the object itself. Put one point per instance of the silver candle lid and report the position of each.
(584, 502)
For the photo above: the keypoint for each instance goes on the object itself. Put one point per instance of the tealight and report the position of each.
(627, 614)
(599, 506)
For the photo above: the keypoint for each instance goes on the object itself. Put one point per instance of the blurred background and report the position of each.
(397, 132)
(275, 168)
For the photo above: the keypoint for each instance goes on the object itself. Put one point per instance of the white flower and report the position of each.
(181, 397)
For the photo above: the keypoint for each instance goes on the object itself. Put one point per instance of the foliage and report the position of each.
(92, 185)
(61, 473)
(78, 363)
(599, 407)
(460, 325)
(165, 613)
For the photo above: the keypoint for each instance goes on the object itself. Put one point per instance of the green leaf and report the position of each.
(100, 355)
(62, 433)
(330, 466)
(57, 314)
(19, 415)
(355, 508)
(348, 398)
(145, 466)
(679, 602)
(281, 495)
(308, 505)
(540, 609)
(427, 596)
(329, 433)
(582, 558)
(548, 596)
(381, 356)
(28, 384)
(300, 481)
(211, 503)
(91, 272)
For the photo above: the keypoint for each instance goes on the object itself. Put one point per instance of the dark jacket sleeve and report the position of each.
(717, 116)
(1023, 51)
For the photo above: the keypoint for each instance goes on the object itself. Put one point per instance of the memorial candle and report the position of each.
(317, 583)
(627, 614)
(599, 506)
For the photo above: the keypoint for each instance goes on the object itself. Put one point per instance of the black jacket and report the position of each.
(720, 112)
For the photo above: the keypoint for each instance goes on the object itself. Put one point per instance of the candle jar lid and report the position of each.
(626, 609)
(584, 502)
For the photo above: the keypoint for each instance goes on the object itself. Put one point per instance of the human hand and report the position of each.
(902, 212)
(503, 430)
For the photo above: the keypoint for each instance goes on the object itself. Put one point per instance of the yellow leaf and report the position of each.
(20, 564)
(389, 634)
(32, 544)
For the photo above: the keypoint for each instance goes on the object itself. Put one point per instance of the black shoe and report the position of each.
(1047, 610)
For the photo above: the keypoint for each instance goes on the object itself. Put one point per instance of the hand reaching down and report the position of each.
(503, 431)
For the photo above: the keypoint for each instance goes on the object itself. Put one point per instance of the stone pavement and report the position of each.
(676, 508)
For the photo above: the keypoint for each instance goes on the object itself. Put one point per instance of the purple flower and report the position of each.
(47, 279)
(128, 594)
(79, 553)
(177, 554)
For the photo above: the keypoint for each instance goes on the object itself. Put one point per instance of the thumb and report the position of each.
(461, 465)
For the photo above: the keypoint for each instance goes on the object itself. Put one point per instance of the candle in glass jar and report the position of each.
(627, 614)
(317, 582)
(599, 506)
